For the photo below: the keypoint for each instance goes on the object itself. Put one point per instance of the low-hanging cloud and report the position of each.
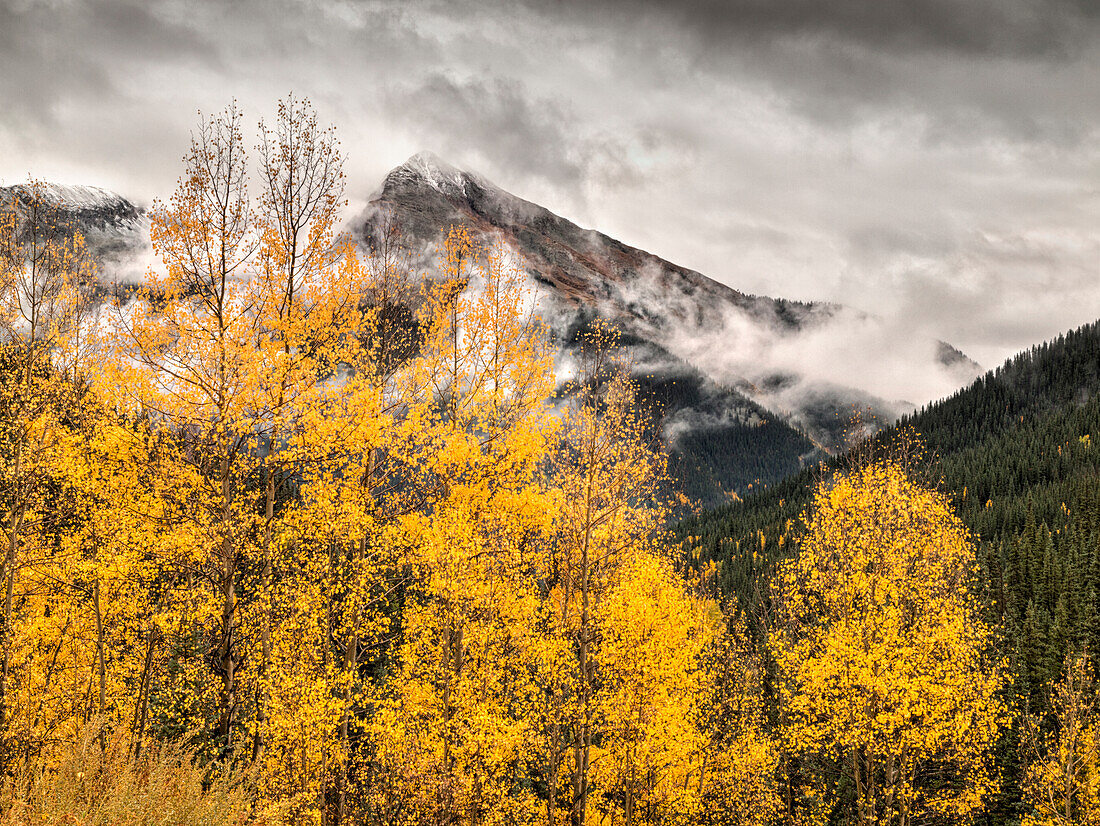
(476, 112)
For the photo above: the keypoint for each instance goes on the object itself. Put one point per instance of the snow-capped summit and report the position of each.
(79, 197)
(433, 170)
(68, 197)
(81, 204)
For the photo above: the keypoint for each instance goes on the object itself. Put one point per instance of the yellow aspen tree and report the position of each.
(625, 679)
(363, 448)
(44, 276)
(233, 351)
(1062, 784)
(606, 476)
(299, 301)
(455, 729)
(364, 451)
(885, 665)
(134, 545)
(648, 765)
(187, 358)
(97, 584)
(86, 593)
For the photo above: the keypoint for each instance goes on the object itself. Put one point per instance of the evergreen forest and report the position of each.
(1014, 453)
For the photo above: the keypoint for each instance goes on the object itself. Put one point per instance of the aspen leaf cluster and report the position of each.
(886, 667)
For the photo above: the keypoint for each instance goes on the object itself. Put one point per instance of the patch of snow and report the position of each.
(436, 172)
(81, 197)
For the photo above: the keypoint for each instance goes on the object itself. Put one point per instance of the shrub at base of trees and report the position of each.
(95, 781)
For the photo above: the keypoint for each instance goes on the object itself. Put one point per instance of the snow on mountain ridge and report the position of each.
(439, 174)
(74, 198)
(464, 185)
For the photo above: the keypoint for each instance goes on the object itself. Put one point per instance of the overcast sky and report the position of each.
(933, 161)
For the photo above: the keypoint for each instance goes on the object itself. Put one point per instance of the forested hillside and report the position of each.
(1016, 452)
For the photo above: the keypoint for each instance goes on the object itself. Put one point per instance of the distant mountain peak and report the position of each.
(115, 229)
(428, 168)
(73, 198)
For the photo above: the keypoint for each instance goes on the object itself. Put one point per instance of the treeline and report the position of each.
(1015, 451)
(721, 444)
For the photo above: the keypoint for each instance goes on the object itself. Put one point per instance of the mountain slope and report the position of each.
(115, 230)
(1011, 435)
(808, 364)
(720, 440)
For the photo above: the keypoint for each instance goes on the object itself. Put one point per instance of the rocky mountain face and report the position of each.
(721, 359)
(115, 230)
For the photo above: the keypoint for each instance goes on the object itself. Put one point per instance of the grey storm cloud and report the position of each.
(523, 131)
(534, 137)
(52, 51)
(935, 162)
(1025, 28)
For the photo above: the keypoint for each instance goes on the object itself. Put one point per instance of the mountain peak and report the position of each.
(427, 162)
(73, 198)
(427, 167)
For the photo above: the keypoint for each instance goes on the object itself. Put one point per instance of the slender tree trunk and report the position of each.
(553, 764)
(229, 615)
(351, 655)
(142, 707)
(265, 627)
(861, 806)
(586, 670)
(48, 681)
(891, 786)
(7, 577)
(101, 659)
(628, 797)
(9, 585)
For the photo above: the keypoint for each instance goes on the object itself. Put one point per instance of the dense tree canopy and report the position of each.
(329, 530)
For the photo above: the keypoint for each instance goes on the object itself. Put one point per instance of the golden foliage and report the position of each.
(1062, 784)
(322, 522)
(883, 657)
